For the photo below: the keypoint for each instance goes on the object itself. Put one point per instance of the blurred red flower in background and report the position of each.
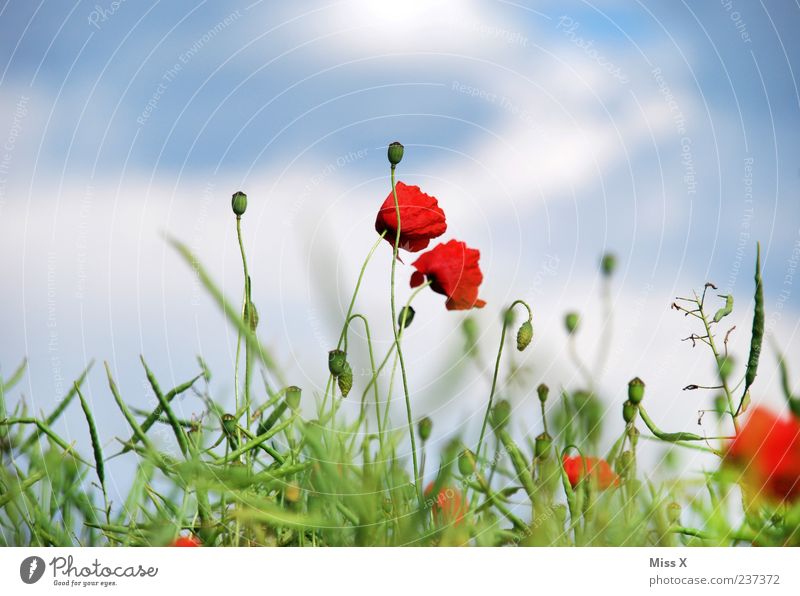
(186, 541)
(598, 469)
(453, 270)
(421, 219)
(767, 449)
(449, 506)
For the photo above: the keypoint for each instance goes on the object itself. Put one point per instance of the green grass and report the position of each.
(268, 473)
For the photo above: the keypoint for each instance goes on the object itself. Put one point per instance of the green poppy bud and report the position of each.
(424, 428)
(407, 312)
(608, 263)
(239, 203)
(395, 153)
(251, 315)
(624, 463)
(501, 412)
(466, 462)
(337, 360)
(571, 320)
(636, 390)
(229, 424)
(524, 335)
(725, 364)
(674, 512)
(293, 397)
(543, 390)
(345, 380)
(470, 329)
(629, 411)
(543, 444)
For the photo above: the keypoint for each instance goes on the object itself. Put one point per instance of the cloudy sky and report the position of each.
(664, 132)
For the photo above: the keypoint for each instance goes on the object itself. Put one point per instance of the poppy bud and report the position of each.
(293, 397)
(629, 412)
(624, 463)
(251, 315)
(543, 444)
(524, 335)
(345, 380)
(608, 263)
(408, 313)
(674, 512)
(466, 462)
(501, 412)
(543, 390)
(337, 360)
(571, 321)
(424, 428)
(239, 203)
(229, 424)
(395, 153)
(470, 329)
(636, 391)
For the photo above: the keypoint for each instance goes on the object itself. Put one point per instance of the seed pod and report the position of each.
(757, 335)
(466, 462)
(337, 360)
(407, 312)
(542, 446)
(239, 203)
(395, 153)
(345, 380)
(293, 397)
(424, 428)
(608, 263)
(543, 390)
(571, 320)
(501, 412)
(524, 335)
(629, 412)
(636, 390)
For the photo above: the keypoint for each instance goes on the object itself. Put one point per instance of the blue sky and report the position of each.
(665, 132)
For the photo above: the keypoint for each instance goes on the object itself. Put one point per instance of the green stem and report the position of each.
(400, 350)
(248, 306)
(494, 376)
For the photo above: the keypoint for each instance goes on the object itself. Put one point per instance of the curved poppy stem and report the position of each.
(400, 351)
(496, 369)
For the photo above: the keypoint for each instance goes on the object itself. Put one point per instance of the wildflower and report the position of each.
(448, 507)
(190, 540)
(571, 320)
(453, 270)
(598, 469)
(767, 449)
(524, 335)
(421, 219)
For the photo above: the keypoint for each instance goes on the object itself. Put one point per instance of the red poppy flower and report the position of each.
(453, 270)
(598, 469)
(186, 541)
(448, 507)
(767, 449)
(421, 219)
